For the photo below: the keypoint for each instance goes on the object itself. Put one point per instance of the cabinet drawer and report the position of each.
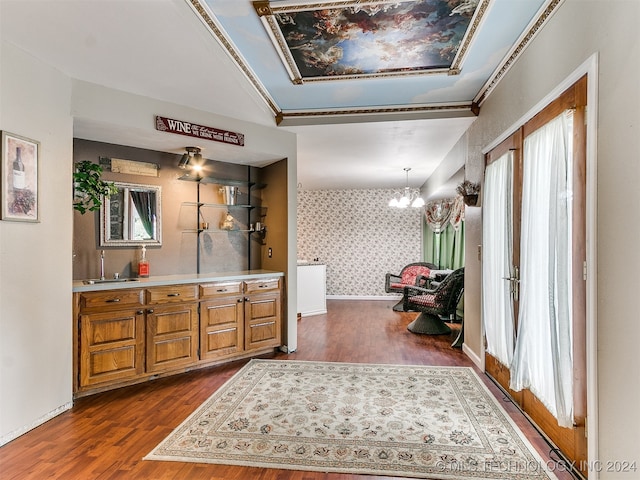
(172, 294)
(111, 299)
(218, 289)
(268, 284)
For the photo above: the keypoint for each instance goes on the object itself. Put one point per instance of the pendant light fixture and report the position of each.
(407, 196)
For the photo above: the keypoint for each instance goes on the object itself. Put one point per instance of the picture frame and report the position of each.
(19, 178)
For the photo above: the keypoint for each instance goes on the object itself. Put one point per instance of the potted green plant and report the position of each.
(469, 192)
(89, 188)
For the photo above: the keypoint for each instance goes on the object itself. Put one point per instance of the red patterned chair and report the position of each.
(411, 275)
(433, 304)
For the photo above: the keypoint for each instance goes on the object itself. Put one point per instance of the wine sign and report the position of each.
(19, 187)
(189, 129)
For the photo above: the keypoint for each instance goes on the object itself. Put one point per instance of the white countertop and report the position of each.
(160, 280)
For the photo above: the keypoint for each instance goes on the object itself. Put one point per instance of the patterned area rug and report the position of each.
(396, 420)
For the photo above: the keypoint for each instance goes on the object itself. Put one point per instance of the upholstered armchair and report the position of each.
(432, 304)
(411, 275)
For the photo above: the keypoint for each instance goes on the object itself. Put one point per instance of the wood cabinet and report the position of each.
(262, 314)
(111, 330)
(239, 316)
(129, 335)
(172, 327)
(221, 319)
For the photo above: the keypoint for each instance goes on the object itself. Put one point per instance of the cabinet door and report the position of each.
(262, 321)
(172, 336)
(221, 327)
(111, 346)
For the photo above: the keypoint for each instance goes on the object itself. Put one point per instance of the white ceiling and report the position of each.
(164, 50)
(373, 155)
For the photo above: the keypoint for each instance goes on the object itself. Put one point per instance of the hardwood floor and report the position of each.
(105, 436)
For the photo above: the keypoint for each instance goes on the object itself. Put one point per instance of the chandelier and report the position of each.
(407, 196)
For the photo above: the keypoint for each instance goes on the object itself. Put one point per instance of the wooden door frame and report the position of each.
(570, 441)
(589, 68)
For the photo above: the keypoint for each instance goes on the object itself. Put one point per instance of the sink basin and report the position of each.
(109, 280)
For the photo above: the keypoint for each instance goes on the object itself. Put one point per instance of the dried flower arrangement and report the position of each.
(469, 192)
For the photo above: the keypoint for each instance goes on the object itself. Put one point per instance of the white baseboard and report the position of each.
(472, 355)
(365, 297)
(313, 312)
(45, 418)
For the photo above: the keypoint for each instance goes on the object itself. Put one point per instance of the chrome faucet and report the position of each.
(101, 264)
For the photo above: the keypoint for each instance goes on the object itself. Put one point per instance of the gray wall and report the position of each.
(220, 252)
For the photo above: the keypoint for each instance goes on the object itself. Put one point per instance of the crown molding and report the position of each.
(534, 27)
(376, 114)
(216, 30)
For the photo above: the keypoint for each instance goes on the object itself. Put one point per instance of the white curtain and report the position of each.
(543, 354)
(497, 305)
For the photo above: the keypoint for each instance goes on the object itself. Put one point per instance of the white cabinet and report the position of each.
(312, 289)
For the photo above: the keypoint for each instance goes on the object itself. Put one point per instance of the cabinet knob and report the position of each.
(221, 290)
(113, 300)
(140, 312)
(173, 294)
(150, 310)
(239, 300)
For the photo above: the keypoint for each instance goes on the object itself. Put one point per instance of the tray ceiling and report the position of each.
(358, 131)
(425, 58)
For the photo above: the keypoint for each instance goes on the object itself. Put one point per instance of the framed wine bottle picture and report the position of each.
(19, 186)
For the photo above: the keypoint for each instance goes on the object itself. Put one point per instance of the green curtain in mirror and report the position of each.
(145, 203)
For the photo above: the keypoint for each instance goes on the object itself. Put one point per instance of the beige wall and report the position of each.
(35, 258)
(578, 30)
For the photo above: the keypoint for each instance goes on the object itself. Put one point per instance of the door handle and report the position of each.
(514, 281)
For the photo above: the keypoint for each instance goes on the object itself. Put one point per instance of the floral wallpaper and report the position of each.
(358, 236)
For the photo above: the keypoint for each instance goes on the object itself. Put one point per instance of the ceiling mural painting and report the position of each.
(320, 61)
(358, 39)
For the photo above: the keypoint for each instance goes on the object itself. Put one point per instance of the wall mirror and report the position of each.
(132, 216)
